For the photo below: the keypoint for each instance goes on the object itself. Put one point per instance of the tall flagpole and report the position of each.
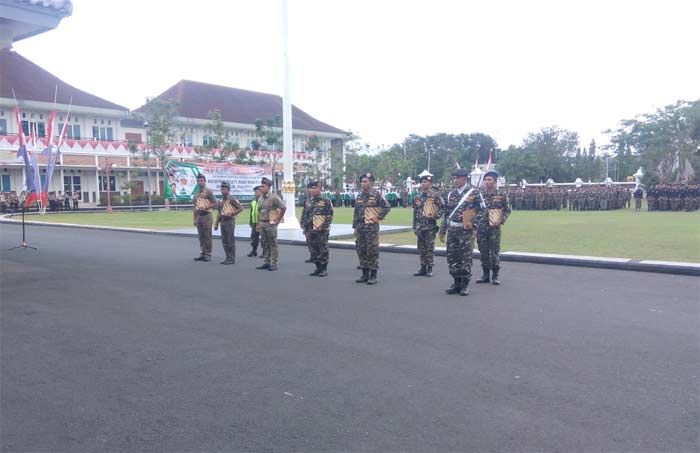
(288, 187)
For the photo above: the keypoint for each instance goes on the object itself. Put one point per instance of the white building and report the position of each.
(100, 132)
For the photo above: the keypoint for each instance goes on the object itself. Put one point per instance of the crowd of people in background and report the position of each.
(9, 202)
(673, 197)
(588, 198)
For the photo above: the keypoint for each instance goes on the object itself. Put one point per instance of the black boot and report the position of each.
(465, 287)
(264, 266)
(200, 258)
(324, 270)
(317, 271)
(456, 286)
(309, 261)
(420, 272)
(372, 277)
(494, 277)
(428, 271)
(486, 277)
(253, 253)
(365, 276)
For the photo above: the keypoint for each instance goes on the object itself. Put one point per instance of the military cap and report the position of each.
(426, 177)
(460, 172)
(225, 184)
(492, 173)
(256, 188)
(266, 181)
(201, 176)
(312, 184)
(367, 175)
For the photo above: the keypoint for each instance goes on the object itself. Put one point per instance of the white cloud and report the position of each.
(390, 68)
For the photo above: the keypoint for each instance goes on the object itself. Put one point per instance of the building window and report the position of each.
(28, 126)
(5, 183)
(186, 140)
(71, 184)
(72, 131)
(102, 133)
(112, 184)
(206, 140)
(3, 126)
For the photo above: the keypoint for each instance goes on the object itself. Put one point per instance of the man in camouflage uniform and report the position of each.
(317, 238)
(367, 228)
(202, 217)
(425, 226)
(268, 205)
(460, 237)
(488, 236)
(228, 222)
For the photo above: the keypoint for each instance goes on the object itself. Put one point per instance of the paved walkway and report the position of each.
(116, 341)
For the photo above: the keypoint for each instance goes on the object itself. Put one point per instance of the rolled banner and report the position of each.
(275, 215)
(371, 213)
(468, 218)
(430, 209)
(495, 216)
(318, 221)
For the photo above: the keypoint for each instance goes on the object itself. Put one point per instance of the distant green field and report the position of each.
(673, 236)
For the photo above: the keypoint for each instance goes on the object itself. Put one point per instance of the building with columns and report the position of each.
(101, 133)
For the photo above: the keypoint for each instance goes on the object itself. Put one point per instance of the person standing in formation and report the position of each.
(271, 211)
(252, 223)
(638, 195)
(489, 223)
(427, 209)
(461, 208)
(204, 202)
(228, 208)
(370, 209)
(316, 219)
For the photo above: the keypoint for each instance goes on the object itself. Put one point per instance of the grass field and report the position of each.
(673, 236)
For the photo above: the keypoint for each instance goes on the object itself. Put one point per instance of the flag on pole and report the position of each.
(22, 140)
(488, 165)
(476, 162)
(50, 123)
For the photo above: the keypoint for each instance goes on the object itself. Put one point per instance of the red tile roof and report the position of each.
(32, 83)
(195, 99)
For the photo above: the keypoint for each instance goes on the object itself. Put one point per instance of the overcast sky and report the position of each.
(385, 69)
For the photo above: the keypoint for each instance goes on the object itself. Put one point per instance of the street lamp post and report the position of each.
(108, 171)
(147, 155)
(288, 187)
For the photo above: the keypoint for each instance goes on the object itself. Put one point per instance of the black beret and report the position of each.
(428, 177)
(312, 184)
(460, 172)
(266, 181)
(201, 176)
(492, 173)
(368, 175)
(225, 184)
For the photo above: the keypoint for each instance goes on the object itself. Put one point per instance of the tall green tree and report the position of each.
(667, 141)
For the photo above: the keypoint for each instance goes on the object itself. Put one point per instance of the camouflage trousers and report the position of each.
(489, 240)
(426, 245)
(228, 239)
(318, 246)
(460, 246)
(268, 237)
(367, 246)
(203, 223)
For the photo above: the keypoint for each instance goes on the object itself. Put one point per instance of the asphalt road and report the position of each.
(120, 342)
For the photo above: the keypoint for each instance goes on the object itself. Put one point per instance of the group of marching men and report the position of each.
(466, 214)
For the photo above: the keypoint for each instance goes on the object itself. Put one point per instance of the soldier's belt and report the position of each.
(456, 224)
(203, 212)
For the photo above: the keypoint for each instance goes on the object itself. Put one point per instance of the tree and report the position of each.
(552, 146)
(158, 116)
(666, 142)
(517, 164)
(270, 131)
(220, 137)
